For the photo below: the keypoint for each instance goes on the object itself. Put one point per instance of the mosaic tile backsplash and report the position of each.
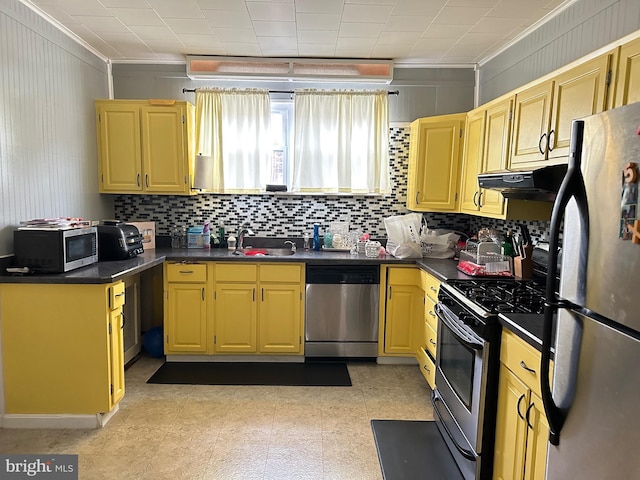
(281, 215)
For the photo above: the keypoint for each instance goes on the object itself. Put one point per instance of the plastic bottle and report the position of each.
(223, 242)
(206, 236)
(316, 237)
(507, 245)
(306, 241)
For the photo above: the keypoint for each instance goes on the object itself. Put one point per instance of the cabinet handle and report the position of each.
(433, 289)
(203, 294)
(425, 367)
(390, 292)
(146, 179)
(544, 135)
(551, 144)
(524, 365)
(475, 204)
(119, 294)
(518, 406)
(432, 314)
(432, 342)
(138, 180)
(480, 199)
(185, 272)
(262, 293)
(253, 294)
(122, 322)
(417, 195)
(527, 416)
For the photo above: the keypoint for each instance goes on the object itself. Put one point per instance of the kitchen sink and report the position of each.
(266, 252)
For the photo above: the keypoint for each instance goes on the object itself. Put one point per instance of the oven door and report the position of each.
(460, 376)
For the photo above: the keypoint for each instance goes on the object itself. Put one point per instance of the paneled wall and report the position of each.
(48, 162)
(583, 27)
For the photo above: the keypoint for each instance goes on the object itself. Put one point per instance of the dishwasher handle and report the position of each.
(342, 274)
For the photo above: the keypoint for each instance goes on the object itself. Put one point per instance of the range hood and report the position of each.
(539, 184)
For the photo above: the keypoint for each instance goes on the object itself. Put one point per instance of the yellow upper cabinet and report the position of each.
(145, 147)
(628, 78)
(434, 163)
(544, 112)
(472, 160)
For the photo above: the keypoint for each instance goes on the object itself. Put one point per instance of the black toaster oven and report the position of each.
(118, 240)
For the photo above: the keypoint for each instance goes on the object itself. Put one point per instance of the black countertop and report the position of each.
(527, 327)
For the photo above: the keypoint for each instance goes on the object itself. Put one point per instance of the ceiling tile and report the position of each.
(272, 12)
(169, 44)
(356, 43)
(445, 31)
(472, 3)
(366, 13)
(193, 40)
(366, 30)
(58, 14)
(102, 24)
(119, 37)
(317, 21)
(460, 15)
(125, 3)
(83, 7)
(275, 29)
(242, 49)
(516, 9)
(137, 16)
(372, 2)
(198, 26)
(275, 43)
(493, 24)
(238, 19)
(153, 32)
(388, 51)
(401, 23)
(466, 50)
(279, 52)
(316, 49)
(418, 7)
(432, 45)
(395, 38)
(240, 35)
(224, 5)
(316, 36)
(352, 53)
(173, 9)
(315, 6)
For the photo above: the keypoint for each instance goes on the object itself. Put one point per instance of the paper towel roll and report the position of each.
(203, 173)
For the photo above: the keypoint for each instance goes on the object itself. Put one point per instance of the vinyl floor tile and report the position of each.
(211, 432)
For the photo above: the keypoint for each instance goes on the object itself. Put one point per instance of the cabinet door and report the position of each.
(511, 428)
(280, 324)
(434, 160)
(119, 153)
(628, 79)
(164, 149)
(404, 307)
(235, 318)
(116, 352)
(537, 440)
(578, 93)
(472, 161)
(186, 318)
(496, 153)
(532, 115)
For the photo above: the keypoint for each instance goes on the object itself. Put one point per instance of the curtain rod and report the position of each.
(289, 92)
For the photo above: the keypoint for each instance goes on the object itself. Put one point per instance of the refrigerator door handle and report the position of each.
(572, 187)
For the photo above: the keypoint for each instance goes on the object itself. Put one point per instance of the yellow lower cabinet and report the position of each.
(62, 348)
(522, 430)
(186, 318)
(280, 318)
(235, 316)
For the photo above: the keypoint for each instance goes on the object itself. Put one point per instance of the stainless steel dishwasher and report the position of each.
(341, 314)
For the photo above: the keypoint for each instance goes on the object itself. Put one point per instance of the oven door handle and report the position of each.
(468, 454)
(469, 340)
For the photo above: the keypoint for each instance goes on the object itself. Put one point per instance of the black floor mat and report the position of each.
(239, 373)
(412, 449)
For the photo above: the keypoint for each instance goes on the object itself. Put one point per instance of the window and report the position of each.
(281, 133)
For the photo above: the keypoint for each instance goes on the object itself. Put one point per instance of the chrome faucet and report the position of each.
(244, 230)
(293, 245)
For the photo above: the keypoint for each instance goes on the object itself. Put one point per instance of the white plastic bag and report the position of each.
(438, 243)
(403, 235)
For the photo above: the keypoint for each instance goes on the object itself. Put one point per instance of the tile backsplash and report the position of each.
(282, 215)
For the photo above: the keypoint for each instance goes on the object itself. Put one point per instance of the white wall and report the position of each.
(48, 162)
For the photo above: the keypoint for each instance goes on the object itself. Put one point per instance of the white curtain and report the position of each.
(233, 127)
(341, 142)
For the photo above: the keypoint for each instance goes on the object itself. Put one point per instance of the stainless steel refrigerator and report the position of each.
(593, 404)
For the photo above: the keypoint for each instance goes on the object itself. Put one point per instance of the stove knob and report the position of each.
(469, 320)
(446, 301)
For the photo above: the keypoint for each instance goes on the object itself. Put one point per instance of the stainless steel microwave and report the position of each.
(55, 251)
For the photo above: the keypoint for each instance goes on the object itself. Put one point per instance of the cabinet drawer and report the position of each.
(281, 273)
(427, 367)
(430, 339)
(236, 272)
(431, 287)
(186, 272)
(522, 359)
(116, 295)
(403, 276)
(430, 313)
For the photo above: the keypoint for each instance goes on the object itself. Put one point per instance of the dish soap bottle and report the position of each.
(316, 237)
